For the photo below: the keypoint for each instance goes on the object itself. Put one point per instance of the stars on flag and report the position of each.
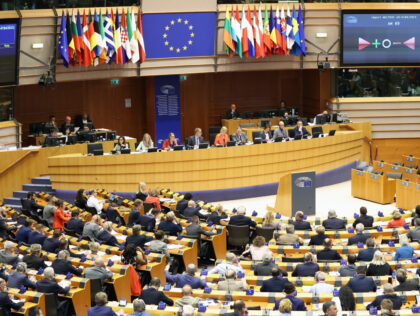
(171, 27)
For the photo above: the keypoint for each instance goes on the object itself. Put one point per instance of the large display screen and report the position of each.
(9, 51)
(370, 38)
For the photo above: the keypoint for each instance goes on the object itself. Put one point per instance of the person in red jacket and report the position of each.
(153, 197)
(397, 220)
(170, 142)
(60, 217)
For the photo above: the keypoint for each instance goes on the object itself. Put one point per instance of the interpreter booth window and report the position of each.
(378, 82)
(48, 4)
(6, 104)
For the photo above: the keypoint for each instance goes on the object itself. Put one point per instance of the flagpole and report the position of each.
(53, 62)
(138, 16)
(215, 41)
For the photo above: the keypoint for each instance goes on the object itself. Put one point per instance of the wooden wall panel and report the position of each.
(391, 149)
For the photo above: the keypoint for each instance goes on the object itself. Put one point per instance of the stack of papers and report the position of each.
(175, 246)
(64, 283)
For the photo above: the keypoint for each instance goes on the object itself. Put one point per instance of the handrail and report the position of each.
(17, 161)
(351, 128)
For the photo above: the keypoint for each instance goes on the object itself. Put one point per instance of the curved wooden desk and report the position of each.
(205, 169)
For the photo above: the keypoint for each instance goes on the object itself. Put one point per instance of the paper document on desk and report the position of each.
(412, 270)
(417, 252)
(381, 223)
(17, 301)
(203, 212)
(12, 223)
(121, 237)
(306, 288)
(175, 246)
(64, 283)
(334, 273)
(48, 263)
(115, 258)
(72, 246)
(163, 200)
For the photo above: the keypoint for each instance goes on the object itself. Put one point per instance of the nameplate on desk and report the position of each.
(408, 170)
(374, 176)
(394, 167)
(381, 164)
(359, 173)
(409, 159)
(405, 183)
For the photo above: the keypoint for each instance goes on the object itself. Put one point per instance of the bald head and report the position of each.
(241, 210)
(186, 290)
(191, 203)
(96, 219)
(99, 262)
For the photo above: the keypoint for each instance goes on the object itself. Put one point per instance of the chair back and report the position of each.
(95, 287)
(238, 235)
(70, 232)
(266, 232)
(214, 129)
(50, 304)
(147, 207)
(91, 148)
(247, 125)
(256, 134)
(292, 259)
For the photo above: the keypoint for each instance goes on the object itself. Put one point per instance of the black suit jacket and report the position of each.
(34, 262)
(138, 240)
(50, 286)
(328, 254)
(31, 205)
(334, 223)
(241, 220)
(409, 285)
(317, 240)
(304, 131)
(230, 115)
(107, 238)
(397, 301)
(61, 266)
(4, 229)
(153, 297)
(306, 269)
(147, 223)
(133, 217)
(366, 254)
(51, 245)
(191, 141)
(366, 220)
(353, 240)
(274, 285)
(7, 304)
(75, 224)
(191, 211)
(181, 205)
(215, 217)
(301, 225)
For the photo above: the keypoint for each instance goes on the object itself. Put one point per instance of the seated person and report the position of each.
(266, 134)
(66, 124)
(142, 192)
(49, 210)
(181, 205)
(360, 236)
(188, 278)
(193, 210)
(320, 287)
(257, 249)
(416, 213)
(37, 236)
(153, 197)
(148, 221)
(231, 284)
(159, 245)
(290, 238)
(170, 225)
(300, 130)
(82, 120)
(121, 144)
(333, 223)
(397, 220)
(195, 140)
(232, 263)
(99, 271)
(365, 219)
(146, 143)
(51, 244)
(222, 138)
(6, 255)
(414, 233)
(318, 239)
(80, 200)
(75, 223)
(232, 113)
(405, 251)
(94, 203)
(367, 254)
(105, 235)
(170, 142)
(265, 268)
(31, 205)
(328, 253)
(195, 230)
(187, 298)
(101, 299)
(239, 137)
(152, 295)
(93, 251)
(241, 219)
(136, 238)
(62, 265)
(134, 215)
(51, 124)
(389, 293)
(6, 302)
(270, 221)
(35, 260)
(297, 303)
(280, 131)
(379, 266)
(349, 269)
(23, 232)
(308, 268)
(404, 284)
(20, 278)
(360, 283)
(299, 223)
(276, 283)
(217, 215)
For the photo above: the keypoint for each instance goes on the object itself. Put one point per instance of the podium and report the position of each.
(408, 194)
(372, 187)
(296, 192)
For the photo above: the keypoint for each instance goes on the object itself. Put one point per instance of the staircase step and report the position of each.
(12, 200)
(20, 194)
(16, 207)
(38, 187)
(41, 180)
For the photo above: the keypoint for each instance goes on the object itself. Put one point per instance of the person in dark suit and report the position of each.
(241, 219)
(136, 238)
(188, 278)
(360, 283)
(319, 238)
(35, 259)
(404, 286)
(5, 302)
(19, 278)
(367, 254)
(5, 230)
(266, 267)
(148, 221)
(23, 232)
(397, 300)
(276, 283)
(239, 137)
(31, 205)
(217, 215)
(329, 308)
(37, 236)
(297, 303)
(266, 133)
(300, 130)
(195, 140)
(280, 131)
(62, 265)
(82, 120)
(80, 201)
(308, 268)
(333, 223)
(239, 309)
(105, 236)
(233, 113)
(51, 244)
(328, 253)
(195, 230)
(75, 223)
(152, 295)
(170, 224)
(101, 299)
(67, 124)
(182, 204)
(299, 223)
(193, 210)
(365, 219)
(134, 215)
(360, 236)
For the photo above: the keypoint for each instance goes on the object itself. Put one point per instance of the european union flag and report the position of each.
(169, 35)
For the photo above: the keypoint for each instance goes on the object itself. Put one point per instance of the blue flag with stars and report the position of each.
(171, 35)
(62, 42)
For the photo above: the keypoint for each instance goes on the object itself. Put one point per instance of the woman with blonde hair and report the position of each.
(397, 220)
(257, 249)
(146, 143)
(405, 251)
(142, 193)
(270, 222)
(378, 266)
(285, 307)
(92, 253)
(222, 138)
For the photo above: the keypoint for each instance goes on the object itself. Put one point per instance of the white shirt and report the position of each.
(142, 146)
(321, 287)
(94, 202)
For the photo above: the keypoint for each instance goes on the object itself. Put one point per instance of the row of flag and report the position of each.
(102, 40)
(253, 36)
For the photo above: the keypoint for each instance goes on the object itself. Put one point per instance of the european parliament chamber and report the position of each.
(209, 157)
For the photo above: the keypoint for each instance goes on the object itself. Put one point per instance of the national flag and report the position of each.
(117, 35)
(260, 24)
(92, 36)
(251, 39)
(248, 48)
(272, 26)
(289, 30)
(125, 44)
(282, 49)
(80, 38)
(259, 46)
(237, 33)
(268, 44)
(62, 42)
(87, 52)
(245, 43)
(283, 30)
(227, 35)
(140, 38)
(78, 52)
(273, 35)
(296, 46)
(97, 35)
(132, 38)
(102, 41)
(70, 41)
(301, 32)
(109, 36)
